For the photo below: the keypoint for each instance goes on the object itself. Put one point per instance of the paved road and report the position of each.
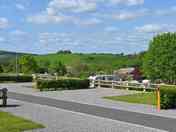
(163, 123)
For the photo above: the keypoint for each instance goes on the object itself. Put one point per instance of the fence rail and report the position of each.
(45, 77)
(125, 84)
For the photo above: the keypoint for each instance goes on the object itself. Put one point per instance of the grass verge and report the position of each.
(139, 98)
(10, 123)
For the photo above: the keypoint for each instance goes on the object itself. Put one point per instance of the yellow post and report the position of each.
(158, 99)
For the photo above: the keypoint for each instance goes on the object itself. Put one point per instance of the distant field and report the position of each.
(94, 61)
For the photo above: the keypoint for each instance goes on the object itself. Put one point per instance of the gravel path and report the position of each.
(58, 120)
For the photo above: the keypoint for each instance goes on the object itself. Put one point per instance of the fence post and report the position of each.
(127, 88)
(4, 96)
(112, 84)
(158, 98)
(144, 90)
(145, 87)
(99, 84)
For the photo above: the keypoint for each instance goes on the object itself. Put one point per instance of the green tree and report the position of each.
(59, 68)
(9, 67)
(160, 61)
(43, 66)
(28, 64)
(1, 69)
(79, 69)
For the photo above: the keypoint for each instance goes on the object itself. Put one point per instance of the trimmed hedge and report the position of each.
(15, 78)
(62, 84)
(168, 97)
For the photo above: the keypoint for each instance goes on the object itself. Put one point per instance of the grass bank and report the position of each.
(10, 123)
(139, 98)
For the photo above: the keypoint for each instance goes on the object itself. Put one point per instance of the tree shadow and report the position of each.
(9, 106)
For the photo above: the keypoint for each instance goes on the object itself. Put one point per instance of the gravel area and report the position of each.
(92, 97)
(58, 120)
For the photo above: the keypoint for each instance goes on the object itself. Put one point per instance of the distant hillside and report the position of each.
(89, 62)
(95, 62)
(6, 56)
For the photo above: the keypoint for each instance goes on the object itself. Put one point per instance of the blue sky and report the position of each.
(102, 26)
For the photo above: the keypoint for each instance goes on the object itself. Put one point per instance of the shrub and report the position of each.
(15, 78)
(62, 84)
(168, 97)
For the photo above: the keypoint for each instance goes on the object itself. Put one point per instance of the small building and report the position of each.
(131, 73)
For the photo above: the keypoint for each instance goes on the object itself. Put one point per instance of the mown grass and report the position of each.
(10, 123)
(139, 98)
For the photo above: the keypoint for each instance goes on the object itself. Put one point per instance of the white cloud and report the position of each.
(45, 19)
(72, 5)
(2, 39)
(18, 32)
(57, 11)
(149, 28)
(79, 6)
(20, 6)
(107, 42)
(111, 29)
(128, 2)
(127, 15)
(156, 28)
(60, 18)
(88, 22)
(166, 12)
(4, 23)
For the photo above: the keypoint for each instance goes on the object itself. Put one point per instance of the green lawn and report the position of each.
(139, 98)
(10, 123)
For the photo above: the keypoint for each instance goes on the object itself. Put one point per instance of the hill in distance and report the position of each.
(6, 56)
(95, 62)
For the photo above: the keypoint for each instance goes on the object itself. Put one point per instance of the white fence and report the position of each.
(125, 85)
(45, 77)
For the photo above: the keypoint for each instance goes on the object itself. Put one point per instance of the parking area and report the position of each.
(90, 97)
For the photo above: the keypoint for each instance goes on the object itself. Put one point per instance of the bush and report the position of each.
(168, 97)
(15, 78)
(62, 84)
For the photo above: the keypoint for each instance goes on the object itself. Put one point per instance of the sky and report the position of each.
(86, 26)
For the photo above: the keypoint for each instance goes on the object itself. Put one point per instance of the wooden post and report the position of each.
(112, 84)
(158, 98)
(99, 84)
(127, 88)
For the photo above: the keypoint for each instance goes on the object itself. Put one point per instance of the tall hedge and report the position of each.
(168, 97)
(15, 78)
(62, 84)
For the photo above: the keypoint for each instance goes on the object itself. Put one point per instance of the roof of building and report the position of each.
(126, 70)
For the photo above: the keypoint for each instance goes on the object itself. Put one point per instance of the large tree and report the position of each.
(160, 60)
(59, 68)
(28, 64)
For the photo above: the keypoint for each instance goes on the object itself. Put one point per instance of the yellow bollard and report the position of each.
(158, 99)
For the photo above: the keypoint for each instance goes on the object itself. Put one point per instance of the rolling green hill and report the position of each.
(6, 56)
(83, 63)
(95, 62)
